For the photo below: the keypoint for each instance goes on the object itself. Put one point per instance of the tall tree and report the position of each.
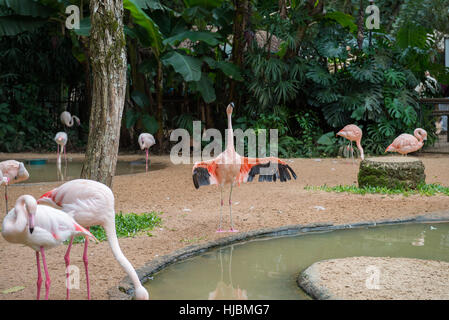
(108, 67)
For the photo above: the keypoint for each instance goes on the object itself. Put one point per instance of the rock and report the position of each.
(378, 278)
(391, 172)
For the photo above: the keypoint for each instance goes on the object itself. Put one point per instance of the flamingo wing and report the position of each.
(269, 169)
(204, 173)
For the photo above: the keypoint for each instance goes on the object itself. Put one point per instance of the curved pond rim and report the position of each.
(125, 289)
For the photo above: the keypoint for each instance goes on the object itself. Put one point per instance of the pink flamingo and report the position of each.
(40, 228)
(146, 140)
(406, 143)
(231, 168)
(91, 203)
(61, 140)
(67, 119)
(14, 172)
(353, 133)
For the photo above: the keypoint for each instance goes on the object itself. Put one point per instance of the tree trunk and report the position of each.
(360, 24)
(238, 40)
(159, 113)
(108, 66)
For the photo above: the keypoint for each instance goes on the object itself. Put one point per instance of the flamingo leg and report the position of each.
(67, 264)
(57, 153)
(6, 197)
(352, 154)
(230, 210)
(39, 276)
(86, 263)
(221, 209)
(47, 276)
(65, 155)
(146, 162)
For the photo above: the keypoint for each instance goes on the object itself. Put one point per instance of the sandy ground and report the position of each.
(380, 278)
(191, 216)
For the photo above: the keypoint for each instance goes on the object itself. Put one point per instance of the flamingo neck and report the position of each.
(230, 134)
(359, 146)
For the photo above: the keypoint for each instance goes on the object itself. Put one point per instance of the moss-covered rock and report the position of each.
(391, 172)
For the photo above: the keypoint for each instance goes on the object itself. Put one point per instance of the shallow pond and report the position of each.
(267, 268)
(49, 171)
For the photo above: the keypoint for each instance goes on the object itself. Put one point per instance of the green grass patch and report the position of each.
(128, 225)
(423, 189)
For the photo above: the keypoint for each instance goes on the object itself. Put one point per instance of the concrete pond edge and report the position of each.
(125, 289)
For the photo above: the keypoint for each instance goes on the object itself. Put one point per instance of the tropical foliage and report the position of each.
(306, 68)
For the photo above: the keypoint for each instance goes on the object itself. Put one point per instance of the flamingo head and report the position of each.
(420, 133)
(341, 133)
(230, 108)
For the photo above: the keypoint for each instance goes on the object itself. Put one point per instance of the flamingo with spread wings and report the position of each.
(231, 168)
(40, 228)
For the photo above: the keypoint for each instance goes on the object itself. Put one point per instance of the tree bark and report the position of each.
(108, 66)
(360, 24)
(238, 40)
(160, 107)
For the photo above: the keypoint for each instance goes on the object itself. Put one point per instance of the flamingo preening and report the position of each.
(91, 203)
(231, 168)
(40, 228)
(406, 143)
(61, 140)
(14, 172)
(67, 119)
(146, 140)
(353, 133)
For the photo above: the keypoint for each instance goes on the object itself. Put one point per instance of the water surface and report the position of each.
(268, 268)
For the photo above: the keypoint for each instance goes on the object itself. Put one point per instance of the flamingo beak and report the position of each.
(232, 104)
(31, 227)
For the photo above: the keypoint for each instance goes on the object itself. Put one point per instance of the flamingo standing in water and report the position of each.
(406, 143)
(231, 168)
(146, 140)
(13, 171)
(40, 228)
(91, 203)
(353, 133)
(61, 140)
(67, 119)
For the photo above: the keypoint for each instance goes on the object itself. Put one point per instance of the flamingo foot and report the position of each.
(220, 231)
(233, 230)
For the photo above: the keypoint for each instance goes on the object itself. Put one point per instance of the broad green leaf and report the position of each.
(131, 118)
(13, 25)
(208, 37)
(228, 68)
(345, 20)
(142, 19)
(208, 4)
(188, 67)
(140, 98)
(28, 8)
(206, 88)
(150, 123)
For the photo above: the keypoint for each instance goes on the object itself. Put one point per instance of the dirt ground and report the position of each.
(381, 278)
(191, 216)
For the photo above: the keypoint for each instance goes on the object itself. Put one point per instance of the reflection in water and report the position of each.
(267, 268)
(225, 291)
(68, 170)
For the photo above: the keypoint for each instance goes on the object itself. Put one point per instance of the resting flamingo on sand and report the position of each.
(146, 140)
(91, 203)
(14, 172)
(353, 133)
(67, 119)
(407, 143)
(40, 228)
(231, 168)
(61, 140)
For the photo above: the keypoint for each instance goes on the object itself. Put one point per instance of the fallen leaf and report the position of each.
(13, 289)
